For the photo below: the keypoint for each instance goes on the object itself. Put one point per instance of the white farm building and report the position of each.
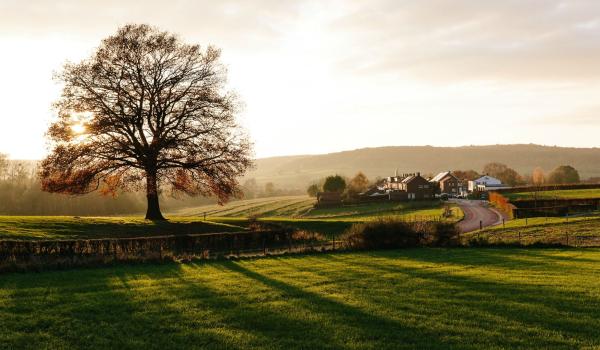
(486, 183)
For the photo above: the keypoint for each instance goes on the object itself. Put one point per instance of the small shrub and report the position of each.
(445, 234)
(478, 241)
(392, 233)
(307, 236)
(254, 224)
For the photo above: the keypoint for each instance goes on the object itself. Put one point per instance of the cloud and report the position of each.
(308, 67)
(462, 40)
(436, 40)
(580, 117)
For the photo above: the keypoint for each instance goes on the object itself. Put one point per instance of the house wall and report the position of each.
(451, 185)
(419, 188)
(484, 180)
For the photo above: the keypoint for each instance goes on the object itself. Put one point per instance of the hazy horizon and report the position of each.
(321, 77)
(384, 146)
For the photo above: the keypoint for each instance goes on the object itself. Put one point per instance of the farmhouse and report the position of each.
(408, 187)
(446, 182)
(486, 183)
(373, 193)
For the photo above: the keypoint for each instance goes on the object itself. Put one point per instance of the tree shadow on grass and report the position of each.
(570, 317)
(541, 256)
(518, 258)
(362, 327)
(102, 309)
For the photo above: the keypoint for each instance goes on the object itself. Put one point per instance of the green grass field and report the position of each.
(545, 230)
(288, 206)
(68, 227)
(295, 211)
(549, 221)
(418, 298)
(302, 207)
(558, 194)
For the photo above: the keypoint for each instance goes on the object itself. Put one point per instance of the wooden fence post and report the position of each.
(334, 241)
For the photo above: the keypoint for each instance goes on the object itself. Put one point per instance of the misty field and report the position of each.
(418, 298)
(302, 207)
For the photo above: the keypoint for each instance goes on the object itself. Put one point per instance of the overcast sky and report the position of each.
(323, 76)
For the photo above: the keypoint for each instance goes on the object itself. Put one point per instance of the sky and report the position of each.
(324, 76)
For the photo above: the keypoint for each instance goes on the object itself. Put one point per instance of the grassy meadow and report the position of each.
(285, 206)
(557, 194)
(302, 207)
(69, 227)
(577, 231)
(292, 211)
(416, 298)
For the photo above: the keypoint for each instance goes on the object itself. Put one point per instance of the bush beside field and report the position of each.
(389, 234)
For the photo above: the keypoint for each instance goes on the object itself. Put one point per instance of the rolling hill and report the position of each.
(299, 171)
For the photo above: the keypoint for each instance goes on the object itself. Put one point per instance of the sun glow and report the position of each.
(78, 122)
(78, 129)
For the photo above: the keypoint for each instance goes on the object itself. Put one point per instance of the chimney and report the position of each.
(418, 174)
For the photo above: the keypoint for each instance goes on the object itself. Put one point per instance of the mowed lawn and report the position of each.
(419, 298)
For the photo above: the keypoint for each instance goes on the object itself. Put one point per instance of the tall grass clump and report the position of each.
(389, 233)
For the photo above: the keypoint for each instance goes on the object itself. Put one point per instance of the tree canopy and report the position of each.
(359, 183)
(467, 175)
(334, 183)
(312, 190)
(537, 176)
(564, 174)
(503, 173)
(146, 109)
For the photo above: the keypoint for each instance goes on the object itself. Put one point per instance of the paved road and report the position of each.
(476, 211)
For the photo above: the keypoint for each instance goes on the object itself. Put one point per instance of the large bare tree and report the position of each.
(146, 106)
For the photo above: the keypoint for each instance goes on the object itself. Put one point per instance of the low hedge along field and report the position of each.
(388, 233)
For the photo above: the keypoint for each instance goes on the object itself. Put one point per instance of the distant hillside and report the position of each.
(299, 171)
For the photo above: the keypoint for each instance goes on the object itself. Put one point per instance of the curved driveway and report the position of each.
(476, 211)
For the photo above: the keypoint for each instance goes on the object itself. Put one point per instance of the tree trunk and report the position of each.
(153, 211)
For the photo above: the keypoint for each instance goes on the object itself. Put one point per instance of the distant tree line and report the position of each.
(561, 175)
(21, 194)
(252, 189)
(348, 187)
